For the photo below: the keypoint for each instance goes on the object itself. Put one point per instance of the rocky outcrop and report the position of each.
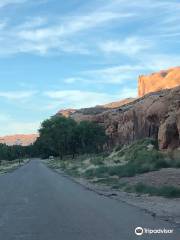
(20, 139)
(156, 115)
(88, 114)
(66, 112)
(119, 103)
(166, 79)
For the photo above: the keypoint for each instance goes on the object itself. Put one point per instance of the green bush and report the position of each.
(139, 160)
(97, 160)
(99, 172)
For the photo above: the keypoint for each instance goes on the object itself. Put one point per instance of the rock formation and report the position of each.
(66, 112)
(158, 81)
(20, 139)
(87, 114)
(157, 115)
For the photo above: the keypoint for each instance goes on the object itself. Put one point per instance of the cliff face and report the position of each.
(88, 114)
(157, 115)
(158, 81)
(20, 139)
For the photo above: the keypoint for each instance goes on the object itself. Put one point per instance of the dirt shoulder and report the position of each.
(164, 208)
(163, 177)
(9, 166)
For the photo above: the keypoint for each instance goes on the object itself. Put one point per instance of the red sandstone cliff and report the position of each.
(158, 81)
(87, 114)
(156, 115)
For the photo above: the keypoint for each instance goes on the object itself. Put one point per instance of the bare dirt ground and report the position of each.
(163, 177)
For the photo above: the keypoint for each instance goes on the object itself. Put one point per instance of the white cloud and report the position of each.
(72, 80)
(3, 3)
(82, 99)
(130, 46)
(14, 126)
(33, 23)
(17, 95)
(41, 36)
(19, 127)
(3, 24)
(71, 26)
(156, 62)
(114, 75)
(79, 99)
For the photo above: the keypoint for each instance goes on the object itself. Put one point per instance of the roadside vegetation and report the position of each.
(80, 150)
(8, 166)
(11, 153)
(60, 136)
(108, 169)
(165, 191)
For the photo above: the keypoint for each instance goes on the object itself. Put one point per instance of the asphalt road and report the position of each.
(38, 204)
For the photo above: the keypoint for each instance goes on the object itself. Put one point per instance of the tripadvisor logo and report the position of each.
(140, 231)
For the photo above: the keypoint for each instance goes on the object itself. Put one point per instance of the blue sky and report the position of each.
(57, 54)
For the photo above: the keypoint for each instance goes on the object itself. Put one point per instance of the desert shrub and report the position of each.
(118, 148)
(73, 171)
(97, 160)
(96, 172)
(138, 151)
(165, 191)
(140, 159)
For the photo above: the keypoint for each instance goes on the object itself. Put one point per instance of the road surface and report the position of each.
(37, 203)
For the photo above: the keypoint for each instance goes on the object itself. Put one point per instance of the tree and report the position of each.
(92, 137)
(56, 135)
(61, 136)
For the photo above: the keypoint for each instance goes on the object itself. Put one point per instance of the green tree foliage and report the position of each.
(12, 152)
(90, 137)
(60, 136)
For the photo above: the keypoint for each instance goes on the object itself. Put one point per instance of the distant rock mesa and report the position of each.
(19, 139)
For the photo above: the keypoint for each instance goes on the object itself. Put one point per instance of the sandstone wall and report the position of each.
(158, 81)
(156, 115)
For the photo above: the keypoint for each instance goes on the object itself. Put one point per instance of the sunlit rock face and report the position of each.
(158, 81)
(156, 115)
(66, 112)
(19, 139)
(88, 114)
